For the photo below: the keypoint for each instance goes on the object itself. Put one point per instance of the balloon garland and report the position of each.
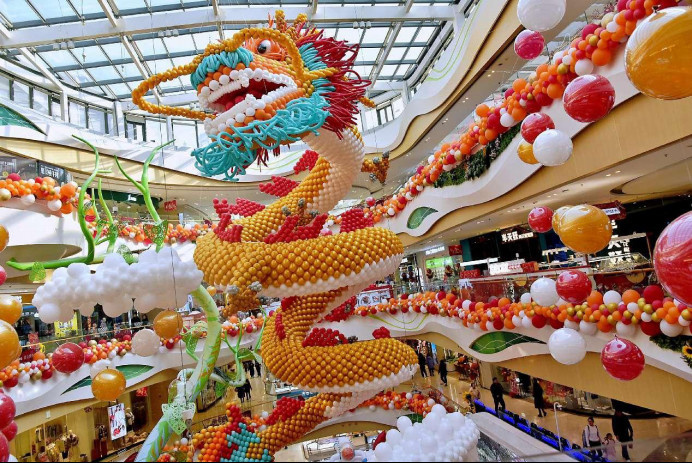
(62, 198)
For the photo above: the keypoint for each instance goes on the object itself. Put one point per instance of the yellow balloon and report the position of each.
(525, 152)
(108, 385)
(10, 309)
(168, 324)
(9, 344)
(211, 290)
(585, 229)
(658, 56)
(4, 238)
(557, 216)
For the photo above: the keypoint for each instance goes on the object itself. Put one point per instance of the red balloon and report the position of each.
(68, 358)
(498, 324)
(541, 219)
(538, 321)
(534, 125)
(573, 286)
(10, 430)
(4, 448)
(652, 292)
(529, 44)
(588, 98)
(622, 359)
(588, 29)
(556, 324)
(673, 258)
(3, 275)
(7, 410)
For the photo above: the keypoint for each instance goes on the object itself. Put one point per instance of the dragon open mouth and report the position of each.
(240, 96)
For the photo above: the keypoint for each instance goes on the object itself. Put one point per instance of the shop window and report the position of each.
(370, 119)
(134, 130)
(385, 115)
(4, 88)
(97, 120)
(55, 107)
(40, 101)
(77, 113)
(110, 123)
(20, 93)
(185, 134)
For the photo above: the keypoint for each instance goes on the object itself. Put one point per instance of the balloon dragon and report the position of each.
(259, 90)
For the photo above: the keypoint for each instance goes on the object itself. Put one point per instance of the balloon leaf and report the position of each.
(497, 341)
(37, 272)
(160, 232)
(190, 344)
(220, 389)
(417, 216)
(126, 253)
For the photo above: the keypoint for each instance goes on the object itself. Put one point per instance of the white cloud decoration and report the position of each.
(157, 280)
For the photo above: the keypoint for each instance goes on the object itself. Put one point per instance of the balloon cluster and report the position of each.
(585, 228)
(156, 280)
(589, 99)
(441, 436)
(142, 232)
(8, 427)
(61, 198)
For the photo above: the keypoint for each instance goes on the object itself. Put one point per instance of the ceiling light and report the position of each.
(618, 171)
(608, 175)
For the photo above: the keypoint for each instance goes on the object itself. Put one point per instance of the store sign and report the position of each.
(170, 205)
(375, 296)
(615, 210)
(455, 250)
(503, 268)
(66, 329)
(55, 172)
(439, 262)
(142, 392)
(516, 236)
(434, 250)
(116, 421)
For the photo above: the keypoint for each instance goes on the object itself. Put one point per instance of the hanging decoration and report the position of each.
(541, 219)
(622, 359)
(585, 228)
(673, 259)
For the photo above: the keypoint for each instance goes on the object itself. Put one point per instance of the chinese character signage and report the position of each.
(455, 250)
(170, 205)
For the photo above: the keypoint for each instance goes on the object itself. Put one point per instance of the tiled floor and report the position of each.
(651, 434)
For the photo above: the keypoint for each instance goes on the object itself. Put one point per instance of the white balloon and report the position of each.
(54, 205)
(541, 15)
(145, 343)
(466, 304)
(543, 292)
(588, 328)
(516, 321)
(507, 120)
(28, 200)
(584, 66)
(669, 329)
(526, 322)
(572, 325)
(625, 330)
(525, 298)
(383, 451)
(646, 317)
(393, 437)
(98, 367)
(683, 322)
(403, 423)
(612, 297)
(567, 346)
(552, 148)
(632, 307)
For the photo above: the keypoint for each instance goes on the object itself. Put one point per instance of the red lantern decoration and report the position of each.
(573, 286)
(589, 98)
(68, 358)
(652, 292)
(7, 410)
(529, 44)
(673, 258)
(541, 219)
(622, 359)
(534, 125)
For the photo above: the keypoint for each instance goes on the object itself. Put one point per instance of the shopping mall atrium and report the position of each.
(345, 230)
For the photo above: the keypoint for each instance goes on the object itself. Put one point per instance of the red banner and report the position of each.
(170, 205)
(455, 250)
(615, 210)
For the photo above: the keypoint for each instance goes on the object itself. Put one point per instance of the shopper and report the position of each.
(591, 437)
(496, 391)
(258, 368)
(622, 428)
(251, 367)
(430, 361)
(538, 400)
(443, 372)
(240, 391)
(421, 363)
(248, 390)
(474, 394)
(609, 447)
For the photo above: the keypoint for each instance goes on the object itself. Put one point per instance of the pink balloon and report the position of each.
(534, 125)
(589, 98)
(529, 44)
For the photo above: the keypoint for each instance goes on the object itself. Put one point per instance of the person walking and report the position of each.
(248, 390)
(538, 400)
(240, 391)
(443, 372)
(474, 394)
(496, 391)
(258, 368)
(421, 363)
(430, 361)
(622, 428)
(251, 367)
(591, 437)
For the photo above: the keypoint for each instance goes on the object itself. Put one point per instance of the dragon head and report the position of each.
(263, 88)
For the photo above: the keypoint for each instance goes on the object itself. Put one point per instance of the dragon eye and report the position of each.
(264, 46)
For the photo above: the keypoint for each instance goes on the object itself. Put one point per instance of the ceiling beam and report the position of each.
(197, 17)
(140, 67)
(215, 6)
(110, 14)
(313, 7)
(383, 55)
(38, 64)
(408, 5)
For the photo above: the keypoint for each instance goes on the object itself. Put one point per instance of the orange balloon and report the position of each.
(9, 344)
(518, 85)
(10, 309)
(601, 57)
(525, 152)
(555, 91)
(585, 229)
(595, 298)
(518, 113)
(108, 385)
(67, 190)
(4, 238)
(557, 216)
(630, 296)
(482, 110)
(503, 302)
(168, 324)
